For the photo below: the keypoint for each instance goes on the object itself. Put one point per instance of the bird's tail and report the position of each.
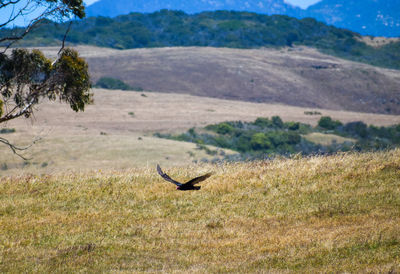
(197, 187)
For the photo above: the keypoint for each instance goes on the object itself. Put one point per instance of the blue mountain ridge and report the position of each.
(367, 17)
(113, 8)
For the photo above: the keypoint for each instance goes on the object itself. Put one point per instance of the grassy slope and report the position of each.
(337, 213)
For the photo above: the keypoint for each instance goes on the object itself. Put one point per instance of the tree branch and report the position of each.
(5, 4)
(19, 13)
(23, 111)
(65, 37)
(30, 26)
(16, 150)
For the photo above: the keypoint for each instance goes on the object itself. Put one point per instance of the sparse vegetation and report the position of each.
(312, 112)
(317, 214)
(7, 130)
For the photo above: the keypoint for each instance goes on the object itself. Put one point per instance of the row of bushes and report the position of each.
(113, 83)
(361, 131)
(266, 136)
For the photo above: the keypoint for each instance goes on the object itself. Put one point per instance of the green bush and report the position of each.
(112, 83)
(357, 128)
(7, 130)
(260, 141)
(263, 122)
(326, 122)
(277, 121)
(224, 128)
(292, 125)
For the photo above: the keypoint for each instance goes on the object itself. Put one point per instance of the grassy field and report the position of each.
(327, 139)
(320, 214)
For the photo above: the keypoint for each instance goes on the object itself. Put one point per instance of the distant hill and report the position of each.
(295, 76)
(367, 17)
(216, 29)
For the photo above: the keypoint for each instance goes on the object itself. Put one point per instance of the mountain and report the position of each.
(113, 8)
(371, 17)
(367, 17)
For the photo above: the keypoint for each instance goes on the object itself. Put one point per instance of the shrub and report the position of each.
(293, 138)
(112, 83)
(357, 128)
(277, 121)
(260, 141)
(7, 130)
(292, 125)
(326, 122)
(224, 128)
(263, 122)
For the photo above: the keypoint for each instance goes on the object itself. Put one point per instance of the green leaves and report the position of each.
(75, 81)
(26, 77)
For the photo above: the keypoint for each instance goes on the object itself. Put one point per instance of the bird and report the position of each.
(189, 185)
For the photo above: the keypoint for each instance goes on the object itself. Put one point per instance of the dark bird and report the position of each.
(189, 185)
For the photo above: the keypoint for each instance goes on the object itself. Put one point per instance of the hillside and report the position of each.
(116, 132)
(213, 29)
(317, 214)
(292, 76)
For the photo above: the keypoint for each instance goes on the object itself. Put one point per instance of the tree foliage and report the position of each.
(27, 77)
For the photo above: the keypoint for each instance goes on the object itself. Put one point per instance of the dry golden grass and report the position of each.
(377, 41)
(327, 139)
(79, 153)
(319, 214)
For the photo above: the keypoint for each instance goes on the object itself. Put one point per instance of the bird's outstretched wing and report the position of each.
(166, 177)
(198, 179)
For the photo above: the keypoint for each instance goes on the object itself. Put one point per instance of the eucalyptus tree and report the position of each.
(27, 77)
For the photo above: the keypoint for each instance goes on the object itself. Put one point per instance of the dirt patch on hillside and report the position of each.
(377, 42)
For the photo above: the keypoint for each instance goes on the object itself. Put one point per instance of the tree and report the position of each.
(326, 122)
(277, 121)
(28, 77)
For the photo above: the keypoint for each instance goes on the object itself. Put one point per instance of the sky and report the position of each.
(302, 3)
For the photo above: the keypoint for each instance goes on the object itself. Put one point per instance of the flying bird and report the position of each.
(189, 185)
